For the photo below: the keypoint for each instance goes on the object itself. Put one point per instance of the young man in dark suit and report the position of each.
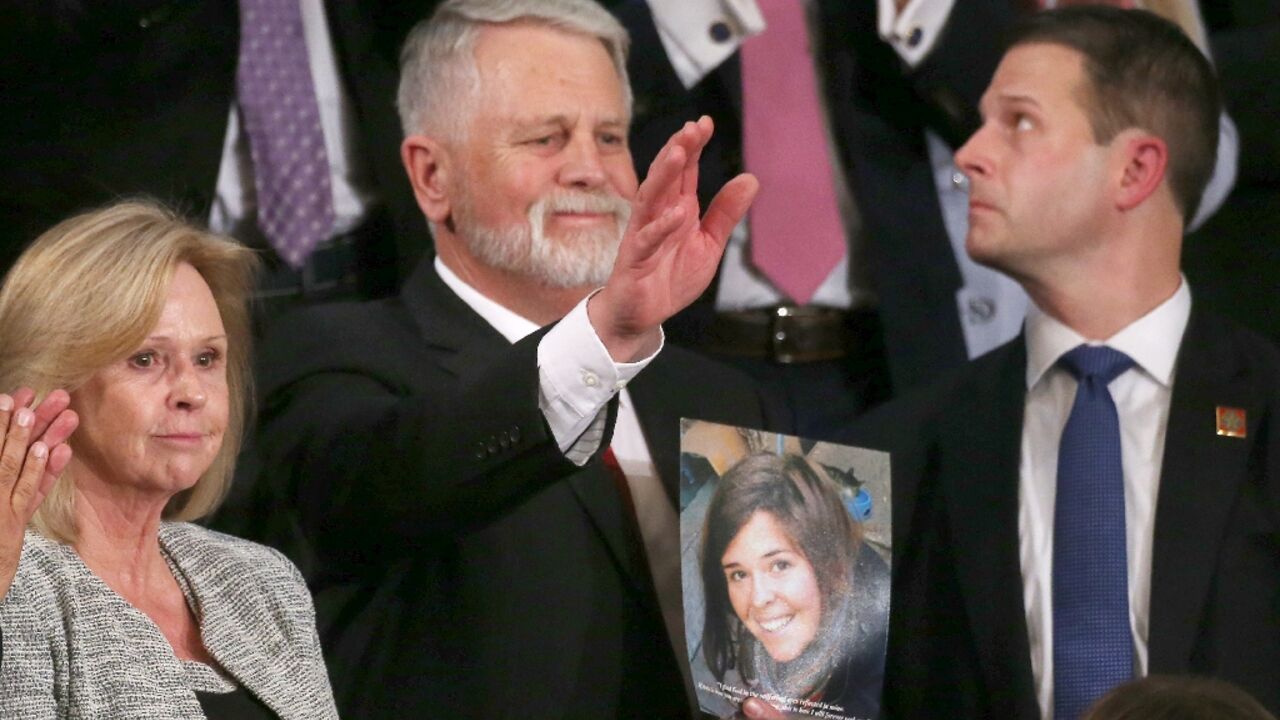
(1098, 137)
(493, 505)
(1060, 535)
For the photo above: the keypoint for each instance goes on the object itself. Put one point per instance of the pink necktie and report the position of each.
(796, 233)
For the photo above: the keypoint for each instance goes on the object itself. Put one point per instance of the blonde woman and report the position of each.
(120, 608)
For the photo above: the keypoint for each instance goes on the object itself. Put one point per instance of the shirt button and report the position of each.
(720, 31)
(620, 385)
(590, 379)
(982, 310)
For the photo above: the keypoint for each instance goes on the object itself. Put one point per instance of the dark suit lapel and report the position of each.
(466, 341)
(979, 446)
(1199, 482)
(596, 492)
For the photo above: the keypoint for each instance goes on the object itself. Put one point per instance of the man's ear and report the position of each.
(430, 168)
(1145, 159)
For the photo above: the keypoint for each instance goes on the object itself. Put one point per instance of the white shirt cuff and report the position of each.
(915, 30)
(576, 380)
(698, 35)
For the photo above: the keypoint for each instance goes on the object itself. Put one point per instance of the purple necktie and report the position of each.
(278, 108)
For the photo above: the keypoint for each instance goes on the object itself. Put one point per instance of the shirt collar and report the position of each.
(511, 326)
(1152, 340)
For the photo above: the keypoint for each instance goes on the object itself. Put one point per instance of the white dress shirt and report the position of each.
(235, 203)
(577, 379)
(1141, 395)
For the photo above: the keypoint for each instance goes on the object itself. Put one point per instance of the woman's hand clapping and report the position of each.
(33, 453)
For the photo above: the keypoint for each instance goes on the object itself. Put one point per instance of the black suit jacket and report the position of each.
(958, 642)
(467, 569)
(1234, 259)
(107, 100)
(879, 113)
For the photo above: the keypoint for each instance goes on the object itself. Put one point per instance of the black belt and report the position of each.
(329, 269)
(791, 333)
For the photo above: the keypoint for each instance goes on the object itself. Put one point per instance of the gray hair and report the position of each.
(438, 74)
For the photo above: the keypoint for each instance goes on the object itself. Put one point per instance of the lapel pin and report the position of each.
(1231, 422)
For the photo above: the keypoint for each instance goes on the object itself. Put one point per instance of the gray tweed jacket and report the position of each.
(73, 648)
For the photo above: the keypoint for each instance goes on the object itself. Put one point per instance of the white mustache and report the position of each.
(581, 202)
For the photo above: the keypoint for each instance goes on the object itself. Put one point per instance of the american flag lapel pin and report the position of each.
(1232, 422)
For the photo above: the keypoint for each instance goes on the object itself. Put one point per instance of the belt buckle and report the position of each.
(780, 333)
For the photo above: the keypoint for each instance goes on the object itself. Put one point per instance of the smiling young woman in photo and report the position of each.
(796, 603)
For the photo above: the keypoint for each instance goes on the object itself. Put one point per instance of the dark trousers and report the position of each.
(825, 396)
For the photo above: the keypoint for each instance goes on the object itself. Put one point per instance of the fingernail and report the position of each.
(39, 450)
(6, 403)
(25, 416)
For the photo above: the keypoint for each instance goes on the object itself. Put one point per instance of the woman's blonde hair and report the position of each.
(88, 292)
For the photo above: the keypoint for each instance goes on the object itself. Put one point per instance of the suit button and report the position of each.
(515, 434)
(504, 439)
(480, 453)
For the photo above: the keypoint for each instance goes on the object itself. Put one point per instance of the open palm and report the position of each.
(669, 252)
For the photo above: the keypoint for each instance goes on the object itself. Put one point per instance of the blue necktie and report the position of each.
(1092, 645)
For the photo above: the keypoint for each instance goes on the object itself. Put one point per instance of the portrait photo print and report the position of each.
(785, 559)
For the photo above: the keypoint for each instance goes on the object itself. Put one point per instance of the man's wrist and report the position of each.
(624, 345)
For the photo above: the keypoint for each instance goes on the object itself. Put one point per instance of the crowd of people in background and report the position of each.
(346, 347)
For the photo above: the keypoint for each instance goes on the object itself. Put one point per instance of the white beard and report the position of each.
(575, 259)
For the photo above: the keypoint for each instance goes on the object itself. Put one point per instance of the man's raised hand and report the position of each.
(669, 252)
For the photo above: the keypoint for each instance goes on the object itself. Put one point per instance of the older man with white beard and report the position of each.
(491, 505)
